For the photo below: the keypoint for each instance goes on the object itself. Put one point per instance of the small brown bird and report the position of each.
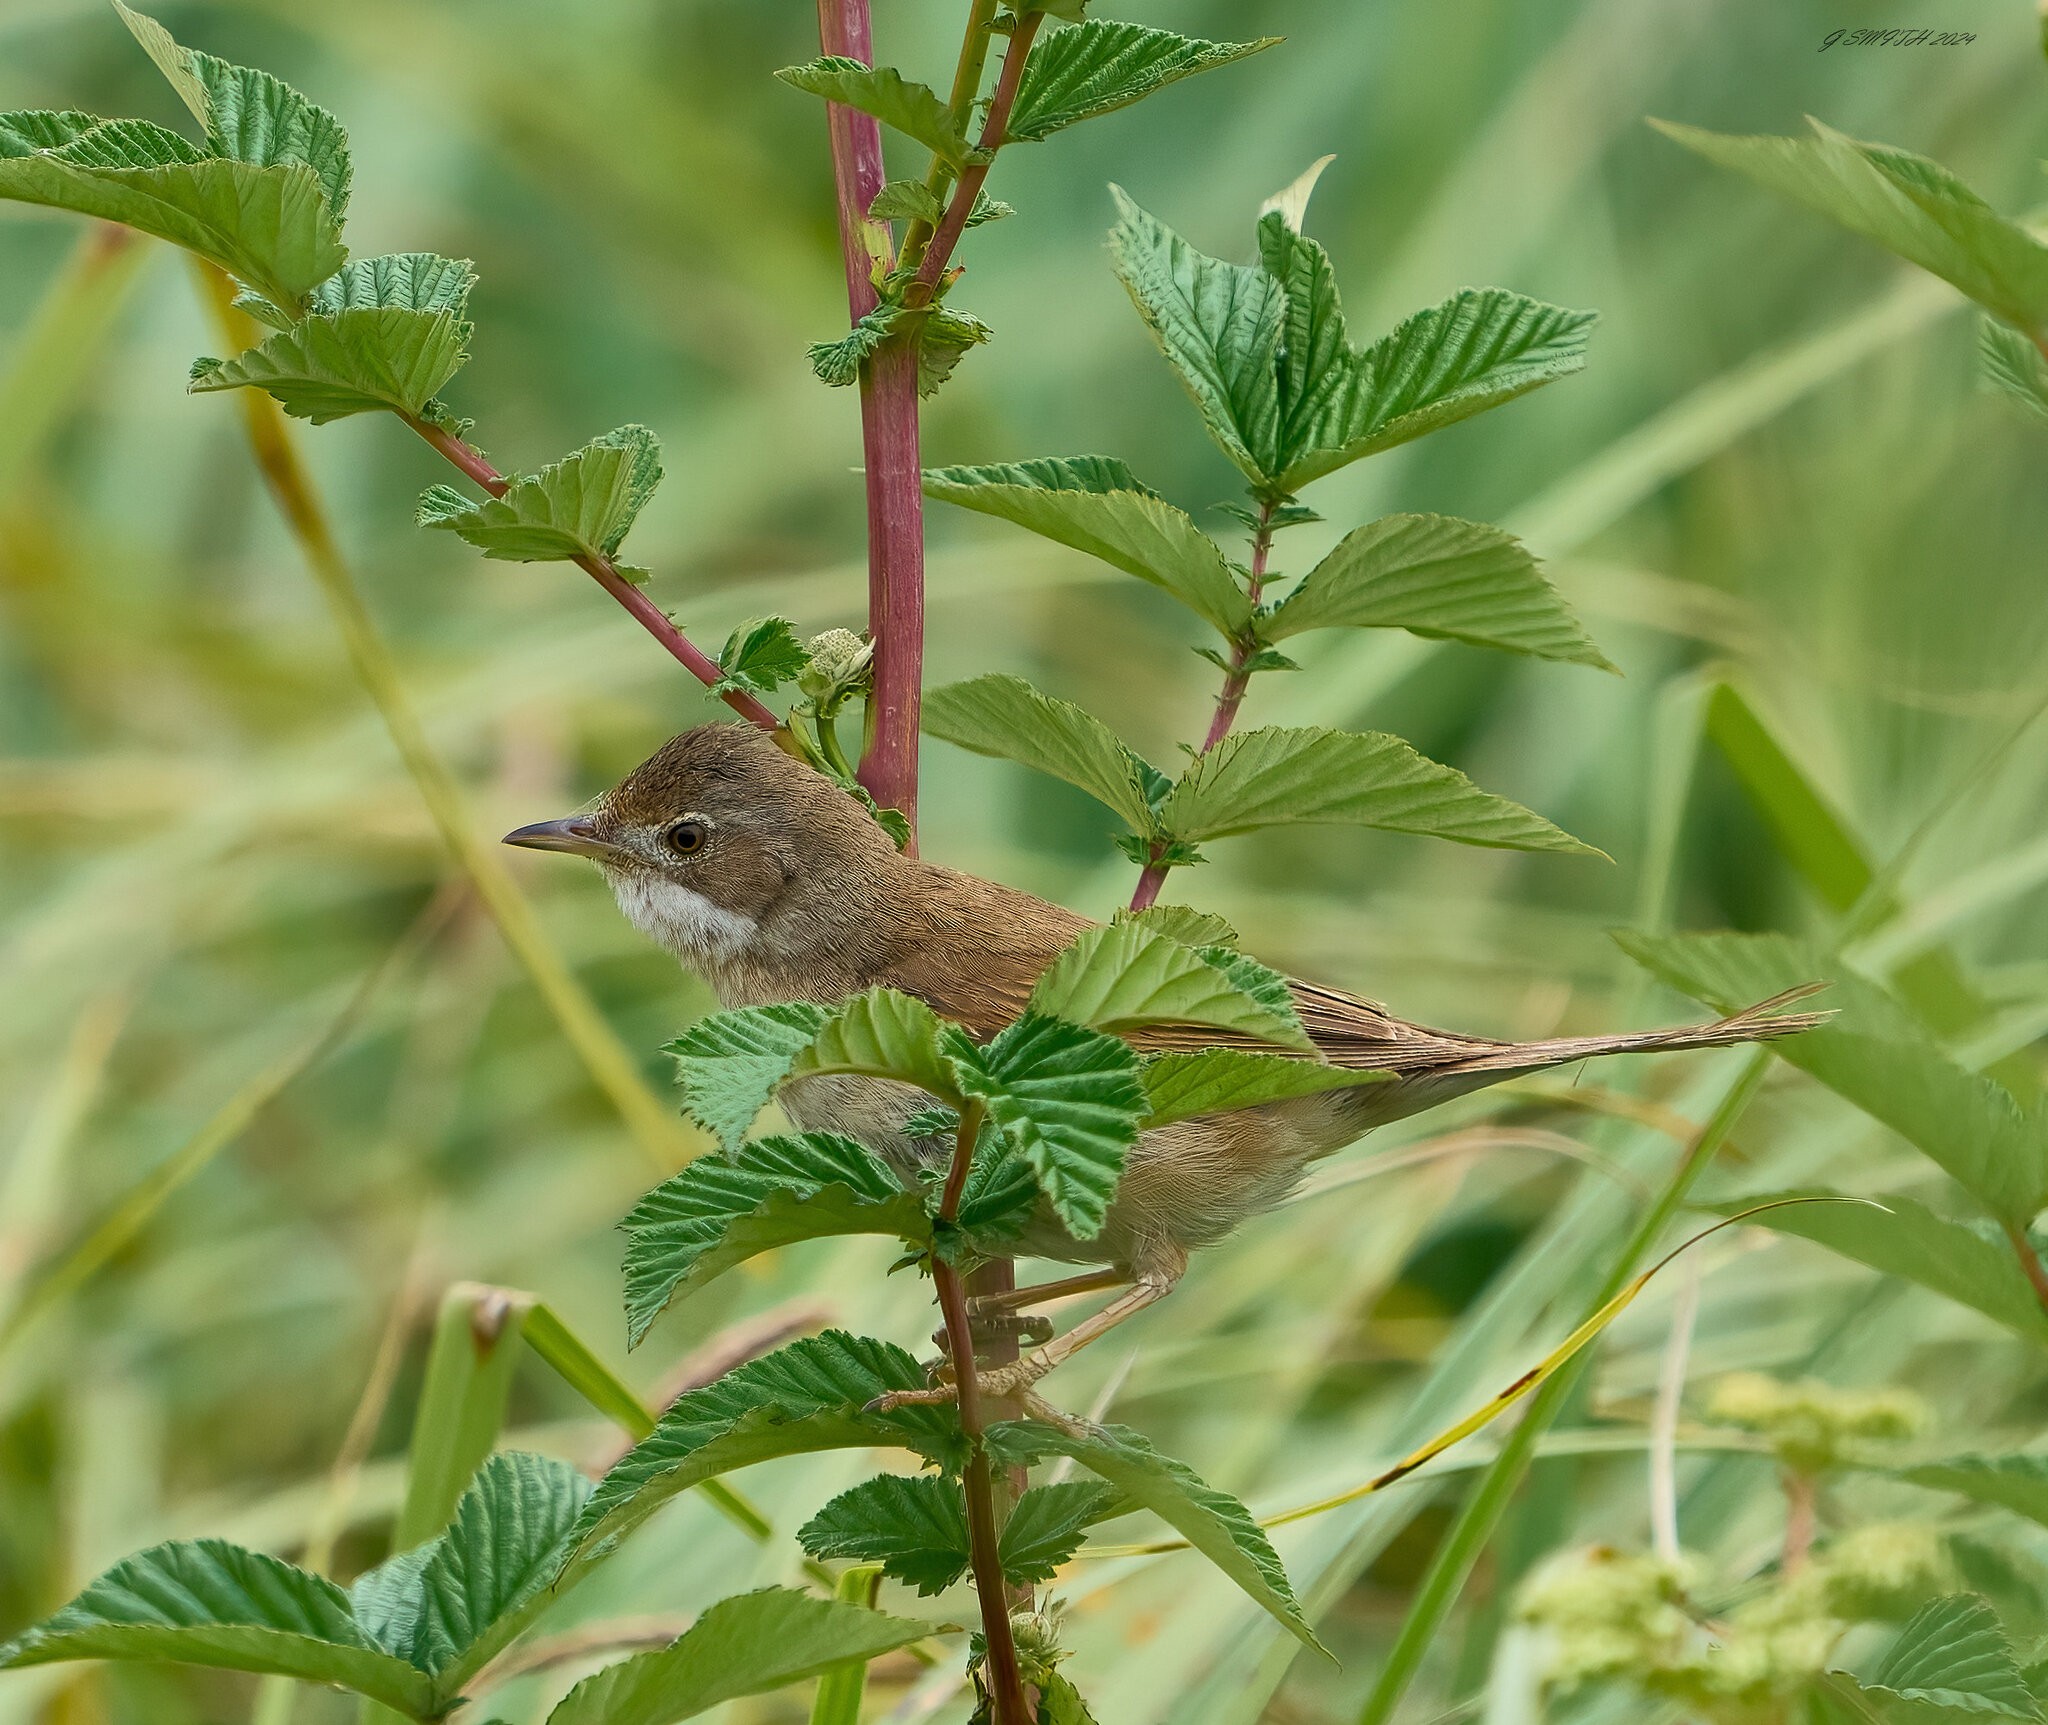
(765, 878)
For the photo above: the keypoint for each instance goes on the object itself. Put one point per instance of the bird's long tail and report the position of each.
(1763, 1022)
(1423, 1087)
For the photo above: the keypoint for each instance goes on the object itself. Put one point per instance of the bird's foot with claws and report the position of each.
(1014, 1382)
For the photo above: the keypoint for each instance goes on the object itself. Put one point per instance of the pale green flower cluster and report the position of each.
(1810, 1425)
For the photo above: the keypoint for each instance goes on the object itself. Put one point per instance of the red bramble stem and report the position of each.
(605, 572)
(889, 439)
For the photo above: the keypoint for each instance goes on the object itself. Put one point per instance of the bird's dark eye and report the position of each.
(686, 838)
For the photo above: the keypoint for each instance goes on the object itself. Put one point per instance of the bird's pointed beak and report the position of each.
(576, 834)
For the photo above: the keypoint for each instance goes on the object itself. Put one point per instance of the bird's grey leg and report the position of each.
(1151, 1280)
(1018, 1298)
(1155, 1277)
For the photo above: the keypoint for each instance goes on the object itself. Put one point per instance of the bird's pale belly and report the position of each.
(1184, 1186)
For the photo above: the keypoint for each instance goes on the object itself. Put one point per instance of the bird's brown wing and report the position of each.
(1347, 1031)
(979, 949)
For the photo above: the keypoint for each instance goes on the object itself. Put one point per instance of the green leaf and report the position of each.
(210, 1603)
(1876, 1055)
(2015, 1482)
(746, 1645)
(1060, 1703)
(838, 363)
(1278, 776)
(2014, 364)
(1006, 717)
(1212, 1521)
(811, 1395)
(1218, 325)
(761, 655)
(913, 109)
(1126, 975)
(915, 1528)
(885, 1034)
(1183, 923)
(1047, 1525)
(580, 506)
(722, 1210)
(1436, 576)
(359, 361)
(1480, 348)
(906, 200)
(250, 116)
(730, 1062)
(1001, 1194)
(1069, 1102)
(407, 281)
(269, 226)
(1954, 1653)
(1074, 75)
(1969, 1265)
(481, 1582)
(943, 334)
(988, 209)
(1093, 503)
(1218, 1080)
(1906, 203)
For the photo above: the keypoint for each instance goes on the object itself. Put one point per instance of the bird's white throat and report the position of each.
(686, 922)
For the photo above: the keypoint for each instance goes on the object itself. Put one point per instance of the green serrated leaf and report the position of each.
(250, 116)
(730, 1063)
(988, 209)
(885, 1034)
(488, 1576)
(580, 506)
(1006, 717)
(906, 200)
(2014, 364)
(1219, 1080)
(1001, 1195)
(1127, 975)
(1480, 348)
(943, 334)
(762, 654)
(1183, 923)
(359, 361)
(722, 1210)
(915, 1528)
(1069, 1101)
(1280, 776)
(1953, 1653)
(913, 109)
(1047, 1525)
(206, 1602)
(1212, 1521)
(811, 1395)
(1219, 327)
(408, 281)
(1073, 75)
(1906, 203)
(746, 1645)
(269, 226)
(1094, 504)
(1974, 1266)
(838, 363)
(1436, 576)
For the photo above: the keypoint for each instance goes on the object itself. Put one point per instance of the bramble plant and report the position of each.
(1043, 1113)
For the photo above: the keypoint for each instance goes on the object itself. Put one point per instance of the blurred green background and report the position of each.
(1777, 467)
